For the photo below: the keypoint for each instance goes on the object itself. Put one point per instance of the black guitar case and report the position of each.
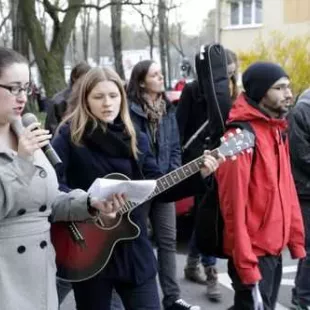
(213, 81)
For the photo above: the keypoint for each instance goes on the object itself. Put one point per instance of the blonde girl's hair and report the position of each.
(81, 114)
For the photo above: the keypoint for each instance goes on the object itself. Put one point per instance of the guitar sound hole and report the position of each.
(110, 223)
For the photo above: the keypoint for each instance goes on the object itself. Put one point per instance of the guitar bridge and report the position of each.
(76, 235)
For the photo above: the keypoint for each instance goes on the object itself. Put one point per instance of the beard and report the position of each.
(280, 107)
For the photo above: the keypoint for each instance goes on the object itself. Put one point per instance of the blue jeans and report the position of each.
(195, 255)
(163, 220)
(302, 280)
(96, 294)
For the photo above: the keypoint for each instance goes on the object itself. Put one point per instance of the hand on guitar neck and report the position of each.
(210, 163)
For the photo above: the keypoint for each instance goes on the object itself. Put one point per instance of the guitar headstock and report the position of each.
(236, 142)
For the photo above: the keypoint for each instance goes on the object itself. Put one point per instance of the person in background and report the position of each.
(257, 194)
(185, 70)
(58, 105)
(192, 112)
(299, 133)
(30, 199)
(155, 117)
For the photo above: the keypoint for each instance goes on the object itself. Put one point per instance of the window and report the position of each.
(245, 12)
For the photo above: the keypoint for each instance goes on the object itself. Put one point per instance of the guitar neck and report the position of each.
(231, 145)
(180, 174)
(171, 179)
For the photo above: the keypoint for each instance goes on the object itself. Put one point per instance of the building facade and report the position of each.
(243, 22)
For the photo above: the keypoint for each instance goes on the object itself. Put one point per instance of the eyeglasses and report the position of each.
(16, 90)
(282, 87)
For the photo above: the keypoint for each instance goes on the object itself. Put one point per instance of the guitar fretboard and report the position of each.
(171, 179)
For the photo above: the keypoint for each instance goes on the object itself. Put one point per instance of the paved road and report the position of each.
(195, 293)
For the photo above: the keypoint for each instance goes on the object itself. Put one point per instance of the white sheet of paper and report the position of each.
(257, 297)
(135, 191)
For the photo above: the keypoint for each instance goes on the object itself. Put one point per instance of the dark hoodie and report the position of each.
(258, 197)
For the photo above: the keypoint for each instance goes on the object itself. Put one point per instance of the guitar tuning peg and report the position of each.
(230, 134)
(234, 157)
(249, 151)
(238, 130)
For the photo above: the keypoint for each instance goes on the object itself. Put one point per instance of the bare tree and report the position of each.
(85, 27)
(98, 33)
(20, 35)
(116, 36)
(149, 22)
(162, 18)
(176, 38)
(164, 46)
(50, 60)
(5, 18)
(74, 48)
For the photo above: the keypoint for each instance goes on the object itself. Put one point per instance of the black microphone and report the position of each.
(48, 150)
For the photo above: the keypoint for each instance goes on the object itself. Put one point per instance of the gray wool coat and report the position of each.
(28, 196)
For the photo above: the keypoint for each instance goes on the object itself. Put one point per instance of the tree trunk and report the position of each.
(50, 62)
(167, 39)
(98, 35)
(4, 24)
(75, 55)
(116, 36)
(151, 41)
(85, 32)
(20, 37)
(162, 35)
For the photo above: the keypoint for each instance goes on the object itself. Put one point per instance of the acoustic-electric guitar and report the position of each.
(83, 249)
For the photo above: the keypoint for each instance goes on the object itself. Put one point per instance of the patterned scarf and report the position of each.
(154, 111)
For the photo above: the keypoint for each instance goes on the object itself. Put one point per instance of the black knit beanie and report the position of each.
(259, 77)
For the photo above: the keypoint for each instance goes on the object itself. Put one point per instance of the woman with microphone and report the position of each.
(30, 199)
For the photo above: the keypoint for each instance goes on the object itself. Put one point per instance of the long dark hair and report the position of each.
(232, 58)
(8, 57)
(138, 74)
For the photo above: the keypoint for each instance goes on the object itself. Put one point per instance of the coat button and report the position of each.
(43, 174)
(21, 212)
(43, 244)
(21, 249)
(42, 208)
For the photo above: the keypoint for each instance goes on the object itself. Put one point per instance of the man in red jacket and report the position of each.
(257, 194)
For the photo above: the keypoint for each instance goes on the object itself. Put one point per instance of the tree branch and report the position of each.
(178, 49)
(93, 6)
(5, 19)
(50, 9)
(62, 35)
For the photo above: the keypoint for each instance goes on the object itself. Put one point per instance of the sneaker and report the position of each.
(180, 304)
(194, 274)
(213, 289)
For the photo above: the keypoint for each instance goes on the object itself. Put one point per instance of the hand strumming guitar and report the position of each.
(108, 208)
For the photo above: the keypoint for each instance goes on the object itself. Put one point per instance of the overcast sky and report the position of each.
(193, 12)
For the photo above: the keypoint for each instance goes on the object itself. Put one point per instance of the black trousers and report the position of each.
(271, 270)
